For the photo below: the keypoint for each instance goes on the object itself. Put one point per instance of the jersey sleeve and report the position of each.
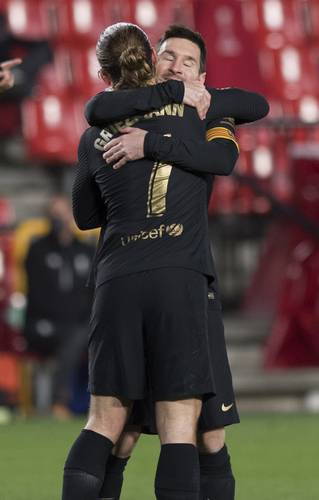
(109, 106)
(87, 205)
(217, 155)
(244, 106)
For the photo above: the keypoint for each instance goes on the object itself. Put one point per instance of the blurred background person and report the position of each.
(58, 303)
(23, 72)
(6, 74)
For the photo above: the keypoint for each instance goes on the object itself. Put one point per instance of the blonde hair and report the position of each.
(125, 56)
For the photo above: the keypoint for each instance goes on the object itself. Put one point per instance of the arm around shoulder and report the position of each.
(217, 155)
(242, 105)
(109, 106)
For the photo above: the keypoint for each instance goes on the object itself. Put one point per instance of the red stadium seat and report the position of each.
(283, 31)
(224, 194)
(292, 76)
(56, 77)
(232, 59)
(281, 185)
(84, 69)
(265, 162)
(257, 162)
(154, 16)
(6, 213)
(279, 23)
(30, 18)
(294, 338)
(83, 20)
(305, 178)
(309, 12)
(52, 126)
(3, 6)
(74, 71)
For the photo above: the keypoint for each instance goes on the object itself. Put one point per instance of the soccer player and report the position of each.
(181, 56)
(149, 318)
(6, 75)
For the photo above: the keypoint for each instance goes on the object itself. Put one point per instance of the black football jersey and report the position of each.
(155, 211)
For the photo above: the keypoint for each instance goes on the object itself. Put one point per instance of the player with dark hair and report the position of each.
(184, 33)
(148, 331)
(176, 55)
(174, 62)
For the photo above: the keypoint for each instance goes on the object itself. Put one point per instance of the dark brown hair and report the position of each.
(125, 56)
(180, 31)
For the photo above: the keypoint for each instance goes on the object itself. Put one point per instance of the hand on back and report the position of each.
(197, 96)
(128, 146)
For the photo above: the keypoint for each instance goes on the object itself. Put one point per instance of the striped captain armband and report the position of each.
(221, 133)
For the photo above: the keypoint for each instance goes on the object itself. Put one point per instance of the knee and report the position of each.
(212, 441)
(177, 421)
(107, 416)
(126, 443)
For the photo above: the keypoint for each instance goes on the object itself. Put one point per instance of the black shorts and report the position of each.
(220, 410)
(148, 335)
(217, 411)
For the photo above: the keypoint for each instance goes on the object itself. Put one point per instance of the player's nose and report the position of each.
(177, 67)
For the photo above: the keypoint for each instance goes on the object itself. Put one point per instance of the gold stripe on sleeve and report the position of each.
(221, 133)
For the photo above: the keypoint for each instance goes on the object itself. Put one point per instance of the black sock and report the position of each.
(177, 475)
(216, 478)
(85, 466)
(113, 478)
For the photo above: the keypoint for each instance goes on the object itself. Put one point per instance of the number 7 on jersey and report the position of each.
(157, 188)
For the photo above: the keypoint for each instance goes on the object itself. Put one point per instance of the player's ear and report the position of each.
(105, 78)
(202, 77)
(154, 56)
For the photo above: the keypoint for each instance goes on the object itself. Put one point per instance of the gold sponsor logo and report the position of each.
(173, 230)
(227, 408)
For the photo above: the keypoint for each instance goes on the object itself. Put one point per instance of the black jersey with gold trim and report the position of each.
(243, 105)
(155, 211)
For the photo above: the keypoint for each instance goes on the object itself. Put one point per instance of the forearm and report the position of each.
(110, 106)
(217, 157)
(88, 209)
(244, 106)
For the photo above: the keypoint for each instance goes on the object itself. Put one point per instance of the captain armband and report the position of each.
(221, 133)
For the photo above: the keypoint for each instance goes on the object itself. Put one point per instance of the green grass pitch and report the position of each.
(274, 457)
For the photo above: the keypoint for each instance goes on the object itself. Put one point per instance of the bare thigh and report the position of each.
(107, 416)
(177, 420)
